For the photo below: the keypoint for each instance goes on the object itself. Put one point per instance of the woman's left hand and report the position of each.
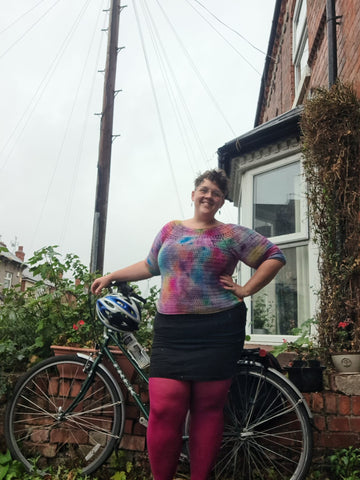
(228, 283)
(263, 275)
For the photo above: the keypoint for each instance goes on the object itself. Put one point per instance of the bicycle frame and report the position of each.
(110, 338)
(96, 362)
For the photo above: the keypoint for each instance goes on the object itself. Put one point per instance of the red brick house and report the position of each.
(312, 43)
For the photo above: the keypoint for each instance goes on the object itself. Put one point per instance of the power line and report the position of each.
(225, 39)
(28, 30)
(20, 17)
(230, 28)
(176, 97)
(196, 71)
(49, 74)
(29, 110)
(161, 123)
(83, 132)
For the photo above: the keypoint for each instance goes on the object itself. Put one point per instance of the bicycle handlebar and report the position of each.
(127, 290)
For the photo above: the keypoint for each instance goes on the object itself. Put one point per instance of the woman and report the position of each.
(199, 329)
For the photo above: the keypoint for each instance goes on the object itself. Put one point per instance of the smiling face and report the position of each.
(207, 198)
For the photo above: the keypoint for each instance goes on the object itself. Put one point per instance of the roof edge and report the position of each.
(275, 129)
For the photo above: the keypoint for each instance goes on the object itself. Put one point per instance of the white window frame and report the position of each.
(290, 241)
(248, 199)
(8, 279)
(300, 45)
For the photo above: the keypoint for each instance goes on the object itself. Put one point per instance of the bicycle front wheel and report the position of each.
(268, 433)
(42, 437)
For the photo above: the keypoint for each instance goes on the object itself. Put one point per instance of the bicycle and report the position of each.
(70, 410)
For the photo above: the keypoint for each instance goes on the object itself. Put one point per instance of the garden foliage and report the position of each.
(57, 309)
(330, 127)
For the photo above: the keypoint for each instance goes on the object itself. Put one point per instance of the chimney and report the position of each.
(20, 253)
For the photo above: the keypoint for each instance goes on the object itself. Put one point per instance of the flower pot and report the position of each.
(346, 362)
(306, 378)
(261, 331)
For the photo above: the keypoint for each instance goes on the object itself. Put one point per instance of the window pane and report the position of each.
(284, 303)
(301, 63)
(8, 280)
(299, 22)
(277, 201)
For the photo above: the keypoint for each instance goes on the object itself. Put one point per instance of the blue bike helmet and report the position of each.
(118, 313)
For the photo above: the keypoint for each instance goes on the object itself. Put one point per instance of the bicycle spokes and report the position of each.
(41, 425)
(266, 431)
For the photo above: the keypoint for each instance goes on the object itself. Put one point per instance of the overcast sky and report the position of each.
(205, 66)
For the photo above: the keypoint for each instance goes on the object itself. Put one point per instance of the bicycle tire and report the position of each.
(83, 438)
(268, 431)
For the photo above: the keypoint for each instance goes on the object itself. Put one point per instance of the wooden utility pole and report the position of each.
(105, 143)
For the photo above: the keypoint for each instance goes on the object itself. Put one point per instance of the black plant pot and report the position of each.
(306, 378)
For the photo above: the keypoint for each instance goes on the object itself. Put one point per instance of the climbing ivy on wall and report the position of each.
(330, 126)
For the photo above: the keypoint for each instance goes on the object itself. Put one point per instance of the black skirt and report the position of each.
(198, 347)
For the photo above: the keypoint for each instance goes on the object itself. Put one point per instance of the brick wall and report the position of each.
(279, 84)
(336, 419)
(134, 432)
(336, 412)
(348, 41)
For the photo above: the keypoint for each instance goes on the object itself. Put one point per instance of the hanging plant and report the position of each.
(330, 127)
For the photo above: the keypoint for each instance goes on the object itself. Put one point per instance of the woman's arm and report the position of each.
(262, 276)
(132, 273)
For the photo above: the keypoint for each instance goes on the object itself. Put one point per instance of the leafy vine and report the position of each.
(330, 127)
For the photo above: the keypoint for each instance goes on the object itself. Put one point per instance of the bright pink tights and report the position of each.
(170, 400)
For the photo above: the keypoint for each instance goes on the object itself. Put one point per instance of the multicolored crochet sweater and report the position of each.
(190, 263)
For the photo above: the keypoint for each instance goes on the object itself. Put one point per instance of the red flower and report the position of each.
(81, 322)
(75, 327)
(343, 324)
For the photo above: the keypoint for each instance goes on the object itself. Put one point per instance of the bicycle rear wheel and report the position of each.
(268, 433)
(42, 438)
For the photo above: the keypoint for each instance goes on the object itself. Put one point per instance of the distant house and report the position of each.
(311, 44)
(14, 272)
(12, 267)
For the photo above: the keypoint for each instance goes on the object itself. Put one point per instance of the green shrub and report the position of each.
(14, 470)
(58, 309)
(148, 311)
(345, 464)
(32, 320)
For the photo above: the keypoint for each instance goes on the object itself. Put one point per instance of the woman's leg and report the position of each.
(206, 425)
(169, 403)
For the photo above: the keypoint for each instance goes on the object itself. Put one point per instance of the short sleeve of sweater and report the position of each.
(251, 247)
(152, 258)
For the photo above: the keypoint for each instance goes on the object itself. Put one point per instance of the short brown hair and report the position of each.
(216, 175)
